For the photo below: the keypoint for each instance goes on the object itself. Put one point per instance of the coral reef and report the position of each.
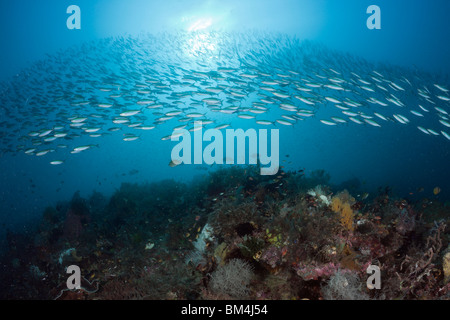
(233, 234)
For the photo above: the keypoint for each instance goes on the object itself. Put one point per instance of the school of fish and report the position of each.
(127, 86)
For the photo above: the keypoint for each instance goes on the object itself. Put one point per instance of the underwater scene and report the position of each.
(224, 150)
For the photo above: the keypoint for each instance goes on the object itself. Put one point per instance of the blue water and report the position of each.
(414, 35)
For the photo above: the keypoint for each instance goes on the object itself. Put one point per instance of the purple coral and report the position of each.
(272, 256)
(313, 271)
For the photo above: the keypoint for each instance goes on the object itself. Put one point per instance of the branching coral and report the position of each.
(344, 286)
(232, 279)
(415, 271)
(322, 198)
(341, 204)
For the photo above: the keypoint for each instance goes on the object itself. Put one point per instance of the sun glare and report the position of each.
(202, 44)
(200, 24)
